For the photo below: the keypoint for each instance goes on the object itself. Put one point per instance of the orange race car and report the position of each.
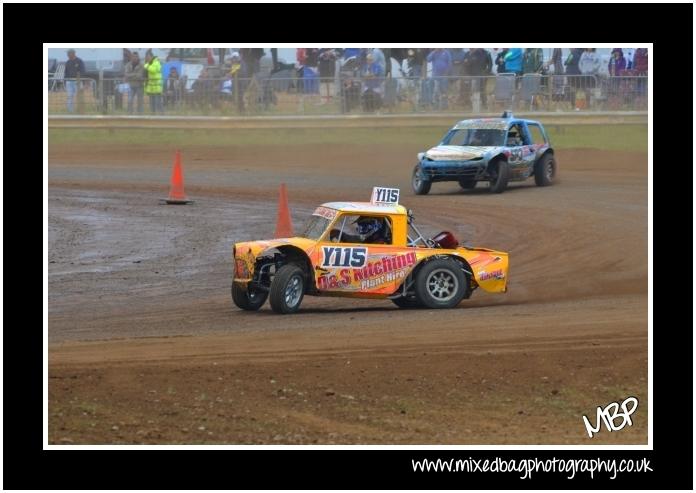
(364, 250)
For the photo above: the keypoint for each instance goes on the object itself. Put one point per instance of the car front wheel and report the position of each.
(545, 170)
(420, 185)
(499, 173)
(287, 289)
(248, 299)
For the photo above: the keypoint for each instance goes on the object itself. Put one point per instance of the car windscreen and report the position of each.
(484, 137)
(315, 227)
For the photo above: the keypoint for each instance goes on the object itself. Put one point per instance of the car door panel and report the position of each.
(361, 268)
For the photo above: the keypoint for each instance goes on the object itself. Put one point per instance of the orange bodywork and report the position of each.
(370, 270)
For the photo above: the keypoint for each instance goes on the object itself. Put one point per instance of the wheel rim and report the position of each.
(549, 170)
(442, 284)
(293, 291)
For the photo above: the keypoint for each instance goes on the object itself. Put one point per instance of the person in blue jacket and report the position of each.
(513, 61)
(373, 83)
(441, 60)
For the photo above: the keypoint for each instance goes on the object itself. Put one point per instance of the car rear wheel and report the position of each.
(545, 170)
(467, 183)
(420, 185)
(287, 289)
(499, 173)
(248, 299)
(440, 284)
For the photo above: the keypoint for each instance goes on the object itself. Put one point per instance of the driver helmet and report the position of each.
(369, 226)
(476, 138)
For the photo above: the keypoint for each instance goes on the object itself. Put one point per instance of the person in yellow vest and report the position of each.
(153, 84)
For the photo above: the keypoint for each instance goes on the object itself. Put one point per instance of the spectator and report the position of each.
(227, 88)
(204, 90)
(628, 55)
(153, 85)
(172, 88)
(251, 58)
(398, 54)
(414, 62)
(640, 62)
(311, 58)
(134, 76)
(556, 61)
(74, 69)
(458, 56)
(327, 71)
(459, 70)
(442, 65)
(235, 68)
(126, 56)
(532, 60)
(500, 61)
(572, 70)
(350, 52)
(617, 62)
(479, 64)
(589, 67)
(387, 53)
(300, 55)
(572, 63)
(237, 75)
(442, 62)
(589, 62)
(379, 57)
(513, 61)
(373, 83)
(640, 66)
(617, 65)
(307, 63)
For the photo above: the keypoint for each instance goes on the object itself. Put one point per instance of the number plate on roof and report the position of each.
(385, 196)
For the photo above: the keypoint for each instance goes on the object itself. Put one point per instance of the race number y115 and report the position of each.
(385, 196)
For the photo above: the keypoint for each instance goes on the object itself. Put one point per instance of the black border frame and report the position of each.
(26, 465)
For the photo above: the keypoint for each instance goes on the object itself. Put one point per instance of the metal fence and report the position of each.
(354, 94)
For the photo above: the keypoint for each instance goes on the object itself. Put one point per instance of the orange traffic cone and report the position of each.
(284, 223)
(176, 191)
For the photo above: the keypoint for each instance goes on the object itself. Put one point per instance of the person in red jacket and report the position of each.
(640, 61)
(640, 65)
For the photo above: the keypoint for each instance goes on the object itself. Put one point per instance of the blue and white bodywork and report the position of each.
(494, 150)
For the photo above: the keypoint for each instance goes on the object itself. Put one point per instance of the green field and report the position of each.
(605, 137)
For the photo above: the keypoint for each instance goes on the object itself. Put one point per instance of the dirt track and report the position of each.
(146, 346)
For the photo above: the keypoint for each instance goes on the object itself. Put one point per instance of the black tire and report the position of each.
(467, 183)
(407, 302)
(545, 170)
(440, 283)
(287, 289)
(500, 172)
(420, 186)
(248, 300)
